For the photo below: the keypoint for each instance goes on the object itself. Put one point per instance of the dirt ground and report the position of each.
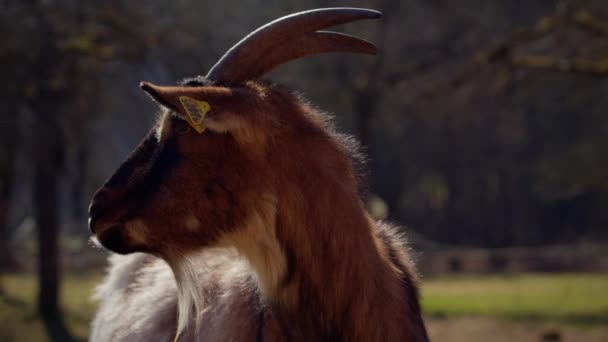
(472, 329)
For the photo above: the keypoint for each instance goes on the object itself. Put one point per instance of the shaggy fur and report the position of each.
(260, 222)
(138, 298)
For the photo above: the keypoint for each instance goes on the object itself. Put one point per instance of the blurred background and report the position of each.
(485, 123)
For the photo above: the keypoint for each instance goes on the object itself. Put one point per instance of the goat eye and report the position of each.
(182, 130)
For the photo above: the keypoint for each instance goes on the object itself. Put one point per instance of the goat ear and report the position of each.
(161, 95)
(191, 103)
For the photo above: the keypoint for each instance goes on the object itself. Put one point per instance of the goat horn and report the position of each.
(295, 34)
(311, 44)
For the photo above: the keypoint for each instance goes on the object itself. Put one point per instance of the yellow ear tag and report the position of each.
(196, 110)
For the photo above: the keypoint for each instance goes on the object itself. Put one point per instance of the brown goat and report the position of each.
(245, 204)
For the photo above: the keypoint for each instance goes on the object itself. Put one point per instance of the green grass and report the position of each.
(562, 298)
(20, 322)
(570, 298)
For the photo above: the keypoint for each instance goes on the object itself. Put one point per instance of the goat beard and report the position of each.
(190, 301)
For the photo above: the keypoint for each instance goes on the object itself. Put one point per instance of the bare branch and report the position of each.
(502, 53)
(588, 21)
(562, 64)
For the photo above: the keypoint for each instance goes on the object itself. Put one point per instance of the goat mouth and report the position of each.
(96, 226)
(115, 239)
(102, 229)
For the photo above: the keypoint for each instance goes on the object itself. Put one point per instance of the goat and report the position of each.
(241, 214)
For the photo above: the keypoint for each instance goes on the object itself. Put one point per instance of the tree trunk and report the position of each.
(7, 167)
(45, 211)
(45, 162)
(8, 136)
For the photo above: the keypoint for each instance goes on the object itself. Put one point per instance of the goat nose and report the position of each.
(96, 210)
(96, 207)
(90, 224)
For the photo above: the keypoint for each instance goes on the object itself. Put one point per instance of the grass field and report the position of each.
(18, 312)
(569, 298)
(459, 308)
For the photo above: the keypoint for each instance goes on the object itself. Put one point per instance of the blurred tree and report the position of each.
(59, 51)
(47, 165)
(7, 168)
(8, 138)
(483, 121)
(476, 123)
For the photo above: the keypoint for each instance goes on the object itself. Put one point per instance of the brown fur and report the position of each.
(271, 179)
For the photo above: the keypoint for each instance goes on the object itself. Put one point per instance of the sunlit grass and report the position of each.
(20, 321)
(558, 298)
(572, 298)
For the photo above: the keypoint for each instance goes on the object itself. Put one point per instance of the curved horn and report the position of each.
(310, 44)
(241, 61)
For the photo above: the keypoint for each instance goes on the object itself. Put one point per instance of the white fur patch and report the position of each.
(136, 299)
(189, 294)
(192, 292)
(139, 298)
(94, 242)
